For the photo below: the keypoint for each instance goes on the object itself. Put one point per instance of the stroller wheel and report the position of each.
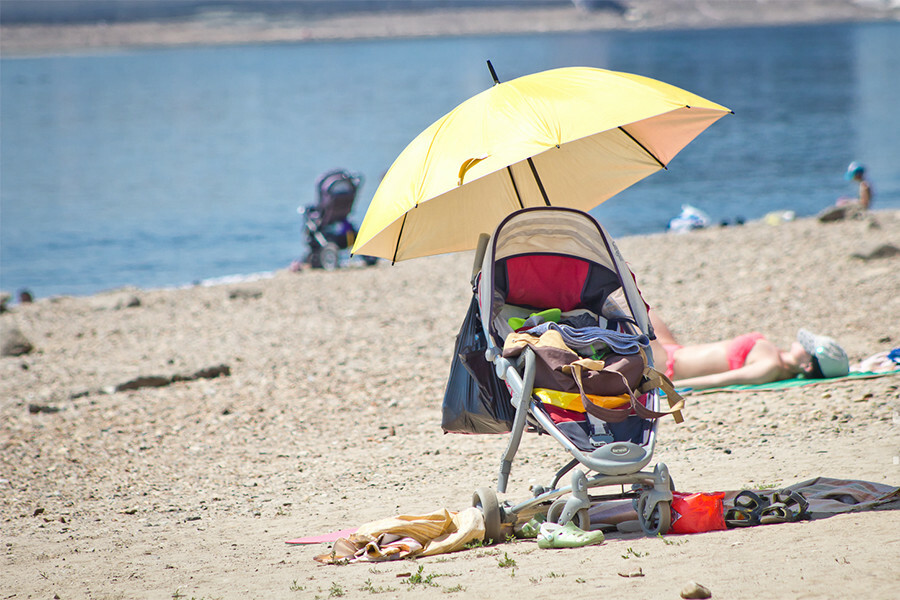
(582, 518)
(329, 256)
(660, 518)
(486, 499)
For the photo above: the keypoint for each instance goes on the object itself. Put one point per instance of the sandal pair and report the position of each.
(786, 507)
(747, 510)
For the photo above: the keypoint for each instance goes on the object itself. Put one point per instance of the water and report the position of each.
(157, 168)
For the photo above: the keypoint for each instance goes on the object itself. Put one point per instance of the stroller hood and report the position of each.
(557, 231)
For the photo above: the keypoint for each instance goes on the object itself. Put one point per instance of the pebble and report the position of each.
(695, 590)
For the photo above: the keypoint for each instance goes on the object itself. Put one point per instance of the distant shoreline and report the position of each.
(232, 29)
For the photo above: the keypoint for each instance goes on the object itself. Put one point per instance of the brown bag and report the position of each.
(615, 375)
(599, 378)
(560, 368)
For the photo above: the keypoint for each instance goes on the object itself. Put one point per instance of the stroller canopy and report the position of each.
(549, 257)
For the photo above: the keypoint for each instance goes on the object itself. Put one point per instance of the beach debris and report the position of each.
(777, 217)
(244, 294)
(882, 251)
(142, 382)
(841, 213)
(43, 408)
(128, 302)
(14, 341)
(115, 301)
(164, 380)
(695, 590)
(638, 572)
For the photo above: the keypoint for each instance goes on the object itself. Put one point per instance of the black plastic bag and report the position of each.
(476, 400)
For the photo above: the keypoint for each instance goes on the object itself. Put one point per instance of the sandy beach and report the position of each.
(166, 443)
(329, 417)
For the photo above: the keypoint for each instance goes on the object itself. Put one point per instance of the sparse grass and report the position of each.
(553, 575)
(335, 591)
(669, 542)
(506, 562)
(762, 486)
(368, 586)
(454, 589)
(629, 552)
(418, 578)
(296, 587)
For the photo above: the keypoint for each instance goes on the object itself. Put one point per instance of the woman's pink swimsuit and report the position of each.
(737, 352)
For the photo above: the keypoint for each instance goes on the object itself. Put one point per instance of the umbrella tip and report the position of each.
(493, 72)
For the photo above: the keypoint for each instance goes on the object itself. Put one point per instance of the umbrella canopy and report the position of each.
(569, 137)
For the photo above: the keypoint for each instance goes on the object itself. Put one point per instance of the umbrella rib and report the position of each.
(537, 178)
(399, 235)
(644, 148)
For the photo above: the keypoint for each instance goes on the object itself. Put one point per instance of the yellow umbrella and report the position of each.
(570, 137)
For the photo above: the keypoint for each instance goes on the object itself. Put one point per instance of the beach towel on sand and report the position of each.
(792, 383)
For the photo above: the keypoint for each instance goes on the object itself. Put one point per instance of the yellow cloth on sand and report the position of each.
(406, 536)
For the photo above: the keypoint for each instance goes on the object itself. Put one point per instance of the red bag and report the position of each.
(698, 512)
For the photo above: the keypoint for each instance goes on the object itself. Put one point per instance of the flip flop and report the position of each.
(787, 507)
(530, 529)
(750, 501)
(747, 508)
(740, 517)
(553, 535)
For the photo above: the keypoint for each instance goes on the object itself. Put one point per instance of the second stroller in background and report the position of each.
(328, 229)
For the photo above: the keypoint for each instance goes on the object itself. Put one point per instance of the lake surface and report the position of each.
(163, 167)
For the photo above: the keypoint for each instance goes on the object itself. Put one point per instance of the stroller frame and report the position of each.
(328, 229)
(565, 232)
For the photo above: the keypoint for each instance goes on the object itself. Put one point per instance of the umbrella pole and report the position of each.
(540, 184)
(515, 187)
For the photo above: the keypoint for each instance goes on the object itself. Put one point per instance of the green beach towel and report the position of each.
(796, 382)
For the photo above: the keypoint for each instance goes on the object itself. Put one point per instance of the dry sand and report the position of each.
(330, 418)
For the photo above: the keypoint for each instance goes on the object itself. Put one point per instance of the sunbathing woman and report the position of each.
(746, 359)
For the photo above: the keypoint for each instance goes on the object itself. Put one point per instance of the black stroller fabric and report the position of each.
(476, 400)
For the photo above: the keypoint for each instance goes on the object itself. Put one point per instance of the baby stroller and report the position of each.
(328, 229)
(561, 259)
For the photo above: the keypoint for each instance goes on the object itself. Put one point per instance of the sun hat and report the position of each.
(829, 359)
(854, 169)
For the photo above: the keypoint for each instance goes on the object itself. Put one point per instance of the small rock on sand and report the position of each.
(695, 590)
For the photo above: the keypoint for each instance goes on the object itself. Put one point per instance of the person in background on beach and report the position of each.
(857, 172)
(748, 359)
